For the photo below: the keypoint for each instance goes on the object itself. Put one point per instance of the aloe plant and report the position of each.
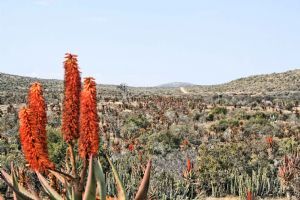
(82, 130)
(95, 187)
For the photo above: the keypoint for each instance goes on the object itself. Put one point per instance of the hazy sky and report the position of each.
(149, 42)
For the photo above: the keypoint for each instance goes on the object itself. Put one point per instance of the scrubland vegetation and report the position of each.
(238, 139)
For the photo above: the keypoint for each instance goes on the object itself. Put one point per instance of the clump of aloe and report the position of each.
(80, 127)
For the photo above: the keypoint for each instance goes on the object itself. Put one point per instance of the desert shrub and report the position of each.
(56, 146)
(210, 117)
(219, 110)
(139, 121)
(54, 120)
(162, 142)
(8, 122)
(132, 126)
(258, 120)
(242, 115)
(222, 125)
(10, 148)
(197, 116)
(289, 106)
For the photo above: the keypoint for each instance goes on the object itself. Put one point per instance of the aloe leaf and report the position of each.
(15, 182)
(91, 184)
(73, 194)
(59, 176)
(50, 191)
(64, 180)
(120, 188)
(100, 178)
(20, 187)
(144, 186)
(69, 193)
(18, 195)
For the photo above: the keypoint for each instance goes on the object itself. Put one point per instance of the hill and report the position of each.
(14, 88)
(259, 84)
(175, 85)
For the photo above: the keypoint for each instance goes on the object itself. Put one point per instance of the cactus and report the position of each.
(90, 183)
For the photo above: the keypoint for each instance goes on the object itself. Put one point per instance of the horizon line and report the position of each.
(159, 85)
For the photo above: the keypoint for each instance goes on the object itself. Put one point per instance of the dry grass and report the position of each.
(237, 198)
(223, 198)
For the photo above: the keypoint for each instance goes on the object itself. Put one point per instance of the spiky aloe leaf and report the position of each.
(20, 187)
(120, 188)
(100, 178)
(91, 184)
(63, 178)
(50, 191)
(15, 182)
(19, 195)
(144, 186)
(73, 194)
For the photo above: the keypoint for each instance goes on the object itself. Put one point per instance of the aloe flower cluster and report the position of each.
(89, 128)
(33, 130)
(71, 104)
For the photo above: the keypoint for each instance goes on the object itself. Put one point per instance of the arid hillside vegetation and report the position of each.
(236, 139)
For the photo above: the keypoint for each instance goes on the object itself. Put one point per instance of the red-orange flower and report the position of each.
(189, 165)
(269, 141)
(89, 123)
(31, 144)
(70, 116)
(131, 147)
(249, 195)
(37, 106)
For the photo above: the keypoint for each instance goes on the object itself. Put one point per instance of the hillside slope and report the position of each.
(271, 83)
(15, 87)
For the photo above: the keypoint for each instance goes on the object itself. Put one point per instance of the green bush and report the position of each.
(132, 126)
(222, 125)
(219, 110)
(210, 117)
(56, 146)
(162, 142)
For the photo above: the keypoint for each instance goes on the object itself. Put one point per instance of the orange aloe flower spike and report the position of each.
(32, 145)
(71, 103)
(89, 122)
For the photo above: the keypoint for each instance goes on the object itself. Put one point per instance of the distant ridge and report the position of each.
(176, 85)
(283, 83)
(288, 81)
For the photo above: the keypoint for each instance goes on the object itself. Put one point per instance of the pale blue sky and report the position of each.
(149, 42)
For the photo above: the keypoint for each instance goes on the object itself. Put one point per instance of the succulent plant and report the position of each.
(89, 183)
(95, 187)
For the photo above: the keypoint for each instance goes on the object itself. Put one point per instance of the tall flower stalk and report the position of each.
(89, 122)
(71, 103)
(33, 130)
(37, 105)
